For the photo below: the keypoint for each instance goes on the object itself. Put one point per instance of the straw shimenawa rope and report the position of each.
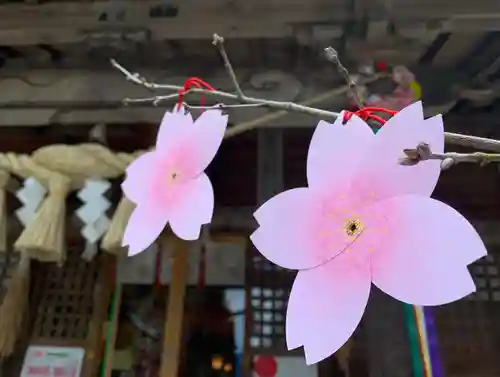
(111, 242)
(13, 289)
(14, 307)
(4, 180)
(43, 236)
(60, 169)
(79, 162)
(15, 300)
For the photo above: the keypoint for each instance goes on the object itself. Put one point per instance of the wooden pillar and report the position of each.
(270, 175)
(172, 335)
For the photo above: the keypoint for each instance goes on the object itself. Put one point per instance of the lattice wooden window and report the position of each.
(487, 277)
(268, 288)
(63, 298)
(469, 330)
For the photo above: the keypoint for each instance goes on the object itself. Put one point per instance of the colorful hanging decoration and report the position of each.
(423, 342)
(395, 92)
(168, 184)
(364, 218)
(407, 90)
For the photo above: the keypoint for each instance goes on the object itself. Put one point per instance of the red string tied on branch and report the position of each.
(367, 113)
(188, 84)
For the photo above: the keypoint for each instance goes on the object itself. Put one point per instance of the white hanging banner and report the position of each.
(41, 361)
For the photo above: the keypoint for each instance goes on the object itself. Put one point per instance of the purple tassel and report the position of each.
(433, 343)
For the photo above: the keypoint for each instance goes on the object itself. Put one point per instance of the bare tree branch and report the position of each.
(288, 106)
(423, 153)
(219, 43)
(332, 56)
(284, 107)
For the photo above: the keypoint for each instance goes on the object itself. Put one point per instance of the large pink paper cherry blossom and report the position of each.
(168, 184)
(365, 218)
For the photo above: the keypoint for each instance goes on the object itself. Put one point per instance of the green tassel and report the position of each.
(413, 337)
(109, 332)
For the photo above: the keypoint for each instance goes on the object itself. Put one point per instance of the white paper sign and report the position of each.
(43, 361)
(290, 366)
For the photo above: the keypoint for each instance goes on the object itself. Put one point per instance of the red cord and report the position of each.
(367, 113)
(193, 81)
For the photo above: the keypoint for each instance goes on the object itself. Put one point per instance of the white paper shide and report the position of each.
(93, 214)
(31, 195)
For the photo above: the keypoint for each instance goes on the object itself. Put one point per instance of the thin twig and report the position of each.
(451, 158)
(221, 106)
(451, 138)
(279, 105)
(332, 56)
(218, 42)
(424, 153)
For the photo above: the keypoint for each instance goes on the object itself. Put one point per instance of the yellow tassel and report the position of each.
(14, 307)
(43, 237)
(4, 179)
(112, 241)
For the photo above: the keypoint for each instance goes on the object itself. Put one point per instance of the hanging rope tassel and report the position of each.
(367, 113)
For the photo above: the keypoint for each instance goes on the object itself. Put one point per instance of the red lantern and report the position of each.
(381, 66)
(265, 366)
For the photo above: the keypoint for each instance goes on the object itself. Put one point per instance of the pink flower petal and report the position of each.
(174, 128)
(383, 174)
(336, 150)
(206, 138)
(193, 209)
(135, 186)
(296, 232)
(421, 248)
(143, 228)
(326, 305)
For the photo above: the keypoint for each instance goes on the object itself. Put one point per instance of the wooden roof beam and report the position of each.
(379, 19)
(55, 23)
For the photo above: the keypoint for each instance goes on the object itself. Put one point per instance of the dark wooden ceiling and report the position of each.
(453, 46)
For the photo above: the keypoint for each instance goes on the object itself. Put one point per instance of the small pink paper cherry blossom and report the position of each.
(365, 218)
(168, 185)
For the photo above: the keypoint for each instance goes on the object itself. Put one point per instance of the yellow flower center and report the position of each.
(353, 227)
(172, 177)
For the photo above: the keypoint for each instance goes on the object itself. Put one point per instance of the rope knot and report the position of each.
(367, 113)
(60, 185)
(4, 178)
(188, 84)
